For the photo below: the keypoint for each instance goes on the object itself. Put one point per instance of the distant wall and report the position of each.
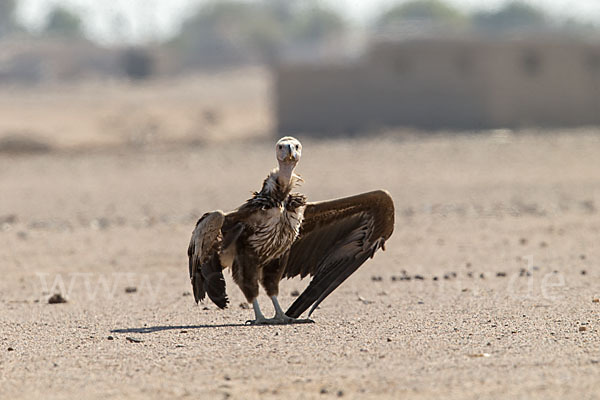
(437, 84)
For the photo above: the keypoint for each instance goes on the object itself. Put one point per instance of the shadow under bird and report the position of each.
(277, 234)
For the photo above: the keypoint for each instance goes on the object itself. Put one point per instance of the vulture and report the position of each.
(277, 234)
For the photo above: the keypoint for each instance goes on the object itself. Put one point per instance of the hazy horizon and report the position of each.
(150, 20)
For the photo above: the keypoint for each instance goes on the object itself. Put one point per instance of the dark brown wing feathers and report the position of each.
(206, 272)
(336, 238)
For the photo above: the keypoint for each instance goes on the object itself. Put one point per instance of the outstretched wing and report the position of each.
(336, 238)
(206, 272)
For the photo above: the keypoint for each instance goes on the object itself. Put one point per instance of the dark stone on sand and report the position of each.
(56, 299)
(23, 143)
(8, 219)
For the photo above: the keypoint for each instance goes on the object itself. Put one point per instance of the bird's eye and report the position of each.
(297, 147)
(280, 147)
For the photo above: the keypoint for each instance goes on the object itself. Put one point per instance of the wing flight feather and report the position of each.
(336, 238)
(206, 272)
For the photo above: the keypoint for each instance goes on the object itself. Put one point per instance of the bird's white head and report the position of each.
(288, 150)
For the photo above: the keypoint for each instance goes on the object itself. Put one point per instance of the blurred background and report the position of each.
(141, 72)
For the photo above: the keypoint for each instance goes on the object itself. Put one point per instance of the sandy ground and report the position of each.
(502, 228)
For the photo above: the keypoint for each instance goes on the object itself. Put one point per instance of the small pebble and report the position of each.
(205, 308)
(419, 277)
(477, 355)
(10, 349)
(501, 274)
(582, 328)
(523, 241)
(133, 340)
(389, 340)
(376, 278)
(482, 276)
(582, 256)
(57, 299)
(130, 289)
(340, 393)
(110, 338)
(596, 300)
(186, 294)
(543, 244)
(244, 306)
(295, 293)
(583, 272)
(524, 272)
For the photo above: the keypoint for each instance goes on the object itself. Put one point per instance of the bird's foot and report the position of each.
(279, 320)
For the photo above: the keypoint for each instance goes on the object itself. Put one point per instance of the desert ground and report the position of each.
(488, 288)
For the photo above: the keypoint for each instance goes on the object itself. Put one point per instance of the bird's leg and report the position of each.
(278, 310)
(281, 318)
(258, 315)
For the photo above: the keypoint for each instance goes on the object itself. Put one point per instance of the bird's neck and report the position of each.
(280, 182)
(284, 174)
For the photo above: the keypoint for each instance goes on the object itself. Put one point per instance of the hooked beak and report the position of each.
(292, 154)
